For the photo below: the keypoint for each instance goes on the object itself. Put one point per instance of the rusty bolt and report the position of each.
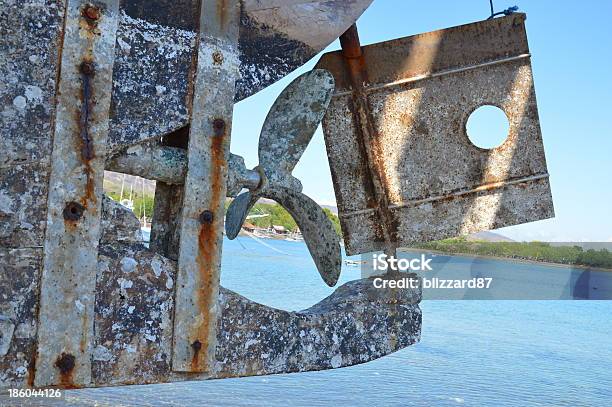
(206, 217)
(87, 68)
(196, 346)
(65, 363)
(91, 12)
(219, 127)
(73, 211)
(217, 58)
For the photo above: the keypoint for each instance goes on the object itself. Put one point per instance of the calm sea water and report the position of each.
(472, 353)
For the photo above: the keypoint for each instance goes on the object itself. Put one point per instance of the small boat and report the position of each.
(354, 263)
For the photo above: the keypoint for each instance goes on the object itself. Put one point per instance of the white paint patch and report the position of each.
(250, 342)
(79, 305)
(6, 203)
(124, 284)
(101, 353)
(25, 330)
(157, 267)
(169, 283)
(128, 264)
(130, 348)
(20, 102)
(131, 309)
(160, 89)
(125, 47)
(26, 226)
(33, 94)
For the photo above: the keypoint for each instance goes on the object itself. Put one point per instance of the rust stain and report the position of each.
(32, 369)
(207, 246)
(65, 363)
(222, 13)
(369, 141)
(195, 360)
(91, 14)
(217, 58)
(84, 116)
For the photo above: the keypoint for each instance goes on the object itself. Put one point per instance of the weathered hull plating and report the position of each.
(156, 48)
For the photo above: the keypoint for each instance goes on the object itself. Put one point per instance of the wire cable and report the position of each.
(506, 12)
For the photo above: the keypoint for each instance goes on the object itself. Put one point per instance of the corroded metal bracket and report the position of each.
(203, 210)
(369, 144)
(415, 102)
(66, 316)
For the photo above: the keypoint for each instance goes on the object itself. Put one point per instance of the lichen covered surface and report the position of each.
(30, 35)
(134, 307)
(156, 56)
(133, 299)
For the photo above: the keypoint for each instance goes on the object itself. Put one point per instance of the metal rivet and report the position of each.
(91, 12)
(217, 58)
(65, 363)
(196, 346)
(73, 211)
(87, 68)
(206, 217)
(219, 127)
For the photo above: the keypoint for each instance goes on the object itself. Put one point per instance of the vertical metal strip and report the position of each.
(66, 316)
(201, 236)
(351, 50)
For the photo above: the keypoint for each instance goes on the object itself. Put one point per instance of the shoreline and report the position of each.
(512, 259)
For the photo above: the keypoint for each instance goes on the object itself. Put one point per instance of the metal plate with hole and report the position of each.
(420, 91)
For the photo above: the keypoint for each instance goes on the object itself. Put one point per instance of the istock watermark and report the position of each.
(529, 271)
(382, 262)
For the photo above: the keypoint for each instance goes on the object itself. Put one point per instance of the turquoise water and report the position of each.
(472, 353)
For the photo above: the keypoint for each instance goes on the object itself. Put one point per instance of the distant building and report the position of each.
(280, 230)
(249, 227)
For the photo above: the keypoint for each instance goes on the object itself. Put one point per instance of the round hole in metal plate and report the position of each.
(488, 127)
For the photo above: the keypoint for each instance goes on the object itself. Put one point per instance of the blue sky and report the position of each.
(571, 47)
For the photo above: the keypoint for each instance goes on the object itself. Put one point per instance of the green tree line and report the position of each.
(536, 251)
(142, 204)
(277, 215)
